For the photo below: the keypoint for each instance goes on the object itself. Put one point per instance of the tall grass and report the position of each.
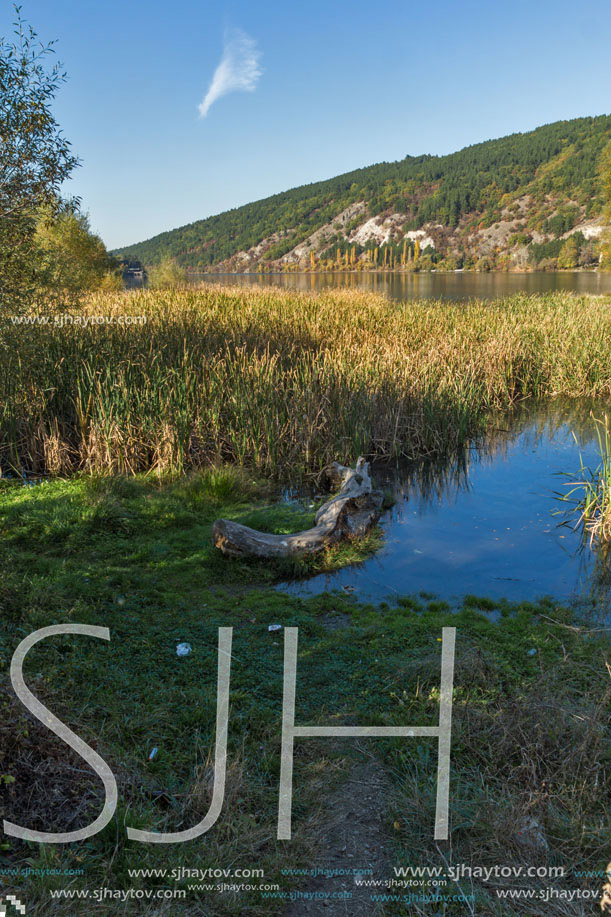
(590, 496)
(280, 381)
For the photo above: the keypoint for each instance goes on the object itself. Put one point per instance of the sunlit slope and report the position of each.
(521, 190)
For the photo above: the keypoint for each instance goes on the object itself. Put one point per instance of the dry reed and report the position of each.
(279, 381)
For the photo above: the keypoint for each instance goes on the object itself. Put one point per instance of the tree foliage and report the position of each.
(35, 158)
(565, 251)
(68, 257)
(166, 275)
(568, 258)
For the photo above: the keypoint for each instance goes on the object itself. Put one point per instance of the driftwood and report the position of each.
(349, 514)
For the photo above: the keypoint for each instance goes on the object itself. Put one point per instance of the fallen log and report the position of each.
(347, 515)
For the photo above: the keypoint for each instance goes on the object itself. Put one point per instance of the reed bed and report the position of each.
(590, 496)
(279, 381)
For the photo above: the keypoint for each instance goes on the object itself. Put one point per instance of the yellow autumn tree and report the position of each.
(569, 255)
(166, 275)
(69, 258)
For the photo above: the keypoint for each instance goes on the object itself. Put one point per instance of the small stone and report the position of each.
(530, 833)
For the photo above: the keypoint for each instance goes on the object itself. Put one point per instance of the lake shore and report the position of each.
(530, 728)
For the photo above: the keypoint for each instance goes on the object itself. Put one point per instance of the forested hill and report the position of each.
(503, 203)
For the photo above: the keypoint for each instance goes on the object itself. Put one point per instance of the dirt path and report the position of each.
(354, 839)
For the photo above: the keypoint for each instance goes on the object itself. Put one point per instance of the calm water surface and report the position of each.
(483, 522)
(400, 287)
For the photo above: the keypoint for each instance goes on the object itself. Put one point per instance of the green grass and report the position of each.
(531, 731)
(282, 382)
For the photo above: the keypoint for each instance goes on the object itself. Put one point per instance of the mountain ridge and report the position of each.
(525, 200)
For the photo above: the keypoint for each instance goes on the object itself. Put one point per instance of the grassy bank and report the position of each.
(530, 750)
(282, 382)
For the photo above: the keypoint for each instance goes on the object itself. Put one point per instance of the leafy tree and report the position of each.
(569, 254)
(68, 258)
(166, 275)
(34, 156)
(544, 251)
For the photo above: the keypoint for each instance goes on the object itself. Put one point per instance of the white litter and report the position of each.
(153, 754)
(274, 627)
(183, 649)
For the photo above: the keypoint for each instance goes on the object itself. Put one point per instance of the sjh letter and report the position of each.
(290, 732)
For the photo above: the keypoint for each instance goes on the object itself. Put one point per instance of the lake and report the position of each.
(445, 286)
(483, 522)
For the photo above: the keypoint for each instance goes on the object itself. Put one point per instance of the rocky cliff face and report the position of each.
(505, 244)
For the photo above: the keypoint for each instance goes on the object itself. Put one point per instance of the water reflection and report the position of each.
(483, 521)
(445, 286)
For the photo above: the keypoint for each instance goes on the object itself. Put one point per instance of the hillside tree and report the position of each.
(569, 254)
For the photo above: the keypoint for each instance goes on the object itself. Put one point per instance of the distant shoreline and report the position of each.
(382, 271)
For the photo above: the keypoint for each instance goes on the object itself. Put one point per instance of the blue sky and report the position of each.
(343, 85)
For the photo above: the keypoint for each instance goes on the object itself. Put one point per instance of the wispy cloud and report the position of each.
(238, 70)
